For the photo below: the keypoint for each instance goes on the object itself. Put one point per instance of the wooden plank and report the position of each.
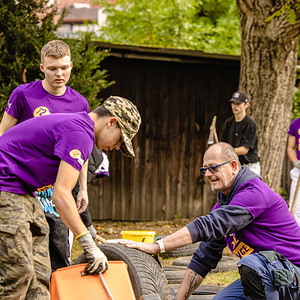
(93, 194)
(162, 132)
(176, 100)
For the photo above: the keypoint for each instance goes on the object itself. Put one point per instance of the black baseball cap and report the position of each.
(239, 97)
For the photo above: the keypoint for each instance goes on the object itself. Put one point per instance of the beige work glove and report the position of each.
(93, 232)
(297, 164)
(97, 261)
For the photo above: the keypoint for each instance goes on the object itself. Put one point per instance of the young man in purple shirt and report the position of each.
(43, 152)
(249, 218)
(47, 96)
(41, 98)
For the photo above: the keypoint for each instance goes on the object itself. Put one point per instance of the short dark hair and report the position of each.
(101, 111)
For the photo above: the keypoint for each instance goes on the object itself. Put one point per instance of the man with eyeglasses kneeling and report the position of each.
(249, 218)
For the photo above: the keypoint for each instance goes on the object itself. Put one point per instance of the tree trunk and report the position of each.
(268, 73)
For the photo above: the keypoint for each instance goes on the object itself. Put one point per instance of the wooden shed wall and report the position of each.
(177, 96)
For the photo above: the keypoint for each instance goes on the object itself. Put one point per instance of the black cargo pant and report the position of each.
(59, 246)
(58, 242)
(59, 233)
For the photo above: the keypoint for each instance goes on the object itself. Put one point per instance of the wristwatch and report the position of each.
(161, 246)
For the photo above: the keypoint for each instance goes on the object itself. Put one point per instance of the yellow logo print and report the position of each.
(75, 153)
(41, 111)
(242, 250)
(239, 248)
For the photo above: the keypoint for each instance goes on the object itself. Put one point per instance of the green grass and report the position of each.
(212, 278)
(221, 278)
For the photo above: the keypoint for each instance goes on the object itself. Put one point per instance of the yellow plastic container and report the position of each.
(139, 235)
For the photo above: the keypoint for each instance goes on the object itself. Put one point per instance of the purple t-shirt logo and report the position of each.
(77, 154)
(237, 247)
(41, 111)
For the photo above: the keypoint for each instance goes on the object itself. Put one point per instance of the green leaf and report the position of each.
(26, 26)
(207, 25)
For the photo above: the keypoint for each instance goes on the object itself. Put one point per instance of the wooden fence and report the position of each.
(177, 93)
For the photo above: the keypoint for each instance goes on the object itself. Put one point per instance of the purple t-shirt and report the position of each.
(30, 152)
(294, 130)
(273, 226)
(32, 100)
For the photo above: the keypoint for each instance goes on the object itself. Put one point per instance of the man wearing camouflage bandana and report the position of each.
(45, 152)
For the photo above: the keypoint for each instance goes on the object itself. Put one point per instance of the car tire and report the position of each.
(150, 297)
(181, 251)
(227, 263)
(146, 275)
(174, 274)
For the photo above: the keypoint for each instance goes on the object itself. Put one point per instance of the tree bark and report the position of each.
(268, 73)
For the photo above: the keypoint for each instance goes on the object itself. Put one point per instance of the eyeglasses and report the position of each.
(212, 169)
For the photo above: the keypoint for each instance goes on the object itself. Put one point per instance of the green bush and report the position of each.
(296, 105)
(87, 77)
(211, 26)
(25, 27)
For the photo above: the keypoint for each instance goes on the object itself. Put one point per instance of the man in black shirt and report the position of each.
(240, 132)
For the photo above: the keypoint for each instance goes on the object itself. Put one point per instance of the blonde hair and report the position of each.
(55, 49)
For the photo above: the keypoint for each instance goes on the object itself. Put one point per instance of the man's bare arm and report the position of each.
(190, 283)
(7, 122)
(291, 148)
(241, 150)
(66, 179)
(180, 238)
(82, 196)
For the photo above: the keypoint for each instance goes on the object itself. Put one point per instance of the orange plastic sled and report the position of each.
(68, 284)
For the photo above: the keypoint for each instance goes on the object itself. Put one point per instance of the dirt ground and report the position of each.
(112, 230)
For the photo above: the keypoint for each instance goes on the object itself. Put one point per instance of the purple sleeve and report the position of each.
(15, 103)
(74, 148)
(294, 130)
(294, 127)
(291, 130)
(86, 107)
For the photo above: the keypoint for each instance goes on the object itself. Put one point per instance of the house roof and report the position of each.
(76, 14)
(80, 14)
(166, 54)
(67, 3)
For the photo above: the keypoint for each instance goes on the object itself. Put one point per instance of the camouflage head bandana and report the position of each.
(129, 120)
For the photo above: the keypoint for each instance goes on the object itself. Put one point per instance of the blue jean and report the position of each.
(232, 292)
(264, 270)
